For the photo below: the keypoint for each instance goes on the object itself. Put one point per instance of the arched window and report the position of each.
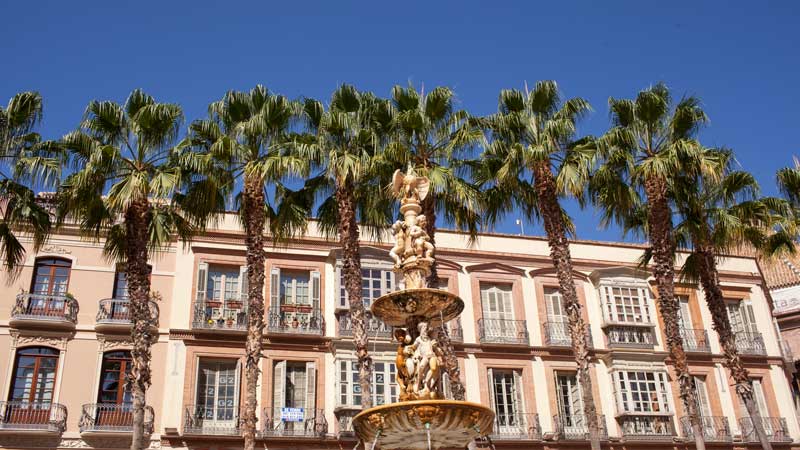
(34, 375)
(113, 378)
(51, 276)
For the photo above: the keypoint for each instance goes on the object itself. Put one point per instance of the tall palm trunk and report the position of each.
(351, 270)
(137, 221)
(443, 337)
(253, 212)
(545, 186)
(709, 279)
(660, 234)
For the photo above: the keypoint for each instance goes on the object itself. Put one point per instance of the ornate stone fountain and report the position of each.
(423, 418)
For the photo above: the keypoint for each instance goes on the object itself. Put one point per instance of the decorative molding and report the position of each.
(105, 344)
(55, 249)
(495, 267)
(19, 340)
(533, 273)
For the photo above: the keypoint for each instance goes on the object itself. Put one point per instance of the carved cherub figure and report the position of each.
(420, 240)
(399, 232)
(408, 186)
(426, 359)
(404, 362)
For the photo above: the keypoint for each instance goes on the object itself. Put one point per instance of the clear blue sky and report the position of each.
(740, 57)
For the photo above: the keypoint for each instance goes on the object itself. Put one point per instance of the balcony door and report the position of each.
(704, 407)
(33, 385)
(507, 401)
(685, 323)
(49, 284)
(570, 404)
(114, 396)
(498, 311)
(218, 394)
(294, 396)
(742, 318)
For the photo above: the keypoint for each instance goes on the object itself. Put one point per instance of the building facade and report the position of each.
(65, 323)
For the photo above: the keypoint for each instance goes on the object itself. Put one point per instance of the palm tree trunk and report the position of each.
(659, 223)
(351, 271)
(137, 222)
(709, 279)
(545, 186)
(253, 212)
(442, 336)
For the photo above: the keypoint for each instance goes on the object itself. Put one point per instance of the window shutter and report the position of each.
(275, 287)
(238, 388)
(491, 389)
(619, 391)
(311, 388)
(278, 386)
(608, 300)
(315, 288)
(645, 299)
(702, 396)
(202, 281)
(665, 391)
(519, 398)
(749, 317)
(341, 292)
(758, 390)
(685, 315)
(243, 283)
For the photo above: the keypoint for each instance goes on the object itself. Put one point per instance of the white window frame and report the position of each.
(345, 386)
(610, 313)
(387, 276)
(626, 404)
(503, 292)
(236, 392)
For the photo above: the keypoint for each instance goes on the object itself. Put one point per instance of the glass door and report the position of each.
(33, 385)
(217, 394)
(570, 405)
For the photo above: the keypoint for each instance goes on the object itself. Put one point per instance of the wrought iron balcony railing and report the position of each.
(294, 422)
(211, 420)
(376, 329)
(516, 426)
(112, 418)
(750, 343)
(295, 319)
(556, 334)
(455, 331)
(213, 314)
(26, 416)
(775, 427)
(576, 427)
(715, 428)
(56, 308)
(646, 427)
(503, 331)
(695, 340)
(118, 311)
(630, 336)
(345, 423)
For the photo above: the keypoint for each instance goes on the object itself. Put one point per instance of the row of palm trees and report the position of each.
(128, 177)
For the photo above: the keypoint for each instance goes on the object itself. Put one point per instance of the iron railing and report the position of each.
(775, 427)
(576, 427)
(283, 319)
(211, 420)
(750, 343)
(27, 416)
(556, 334)
(503, 331)
(112, 417)
(630, 336)
(455, 331)
(45, 307)
(376, 329)
(715, 428)
(786, 352)
(118, 311)
(516, 426)
(695, 340)
(647, 427)
(308, 423)
(212, 314)
(345, 424)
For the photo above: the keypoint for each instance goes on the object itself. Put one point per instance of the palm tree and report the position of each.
(24, 161)
(718, 216)
(430, 134)
(533, 134)
(345, 140)
(789, 183)
(127, 187)
(643, 151)
(244, 139)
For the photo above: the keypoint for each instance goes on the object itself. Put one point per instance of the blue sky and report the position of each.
(740, 58)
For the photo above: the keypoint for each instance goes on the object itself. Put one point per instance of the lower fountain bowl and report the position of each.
(405, 425)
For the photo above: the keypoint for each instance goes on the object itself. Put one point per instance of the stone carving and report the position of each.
(19, 340)
(409, 187)
(105, 344)
(56, 250)
(426, 364)
(399, 250)
(421, 240)
(412, 252)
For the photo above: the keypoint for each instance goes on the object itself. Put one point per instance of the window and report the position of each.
(294, 288)
(642, 392)
(684, 314)
(113, 378)
(34, 375)
(701, 392)
(218, 392)
(628, 304)
(384, 387)
(374, 283)
(570, 401)
(555, 305)
(223, 283)
(220, 293)
(120, 285)
(496, 301)
(294, 385)
(295, 300)
(506, 399)
(742, 317)
(51, 276)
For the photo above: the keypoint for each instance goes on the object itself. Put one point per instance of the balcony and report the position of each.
(42, 310)
(503, 331)
(516, 426)
(229, 316)
(556, 334)
(46, 418)
(295, 319)
(294, 422)
(112, 418)
(775, 428)
(630, 336)
(455, 331)
(715, 429)
(786, 352)
(344, 420)
(376, 329)
(211, 420)
(575, 427)
(750, 343)
(695, 341)
(115, 315)
(647, 428)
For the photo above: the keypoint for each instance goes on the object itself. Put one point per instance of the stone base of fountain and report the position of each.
(423, 424)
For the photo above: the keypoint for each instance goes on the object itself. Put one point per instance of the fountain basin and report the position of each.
(405, 425)
(434, 306)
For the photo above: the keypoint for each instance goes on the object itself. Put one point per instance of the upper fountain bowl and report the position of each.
(434, 306)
